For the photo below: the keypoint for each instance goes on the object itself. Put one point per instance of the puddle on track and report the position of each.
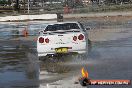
(19, 65)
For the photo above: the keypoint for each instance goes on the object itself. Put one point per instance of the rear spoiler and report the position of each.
(60, 31)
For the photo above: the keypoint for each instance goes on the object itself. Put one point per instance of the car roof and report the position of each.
(51, 23)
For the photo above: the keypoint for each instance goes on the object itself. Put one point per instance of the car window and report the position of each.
(66, 26)
(82, 26)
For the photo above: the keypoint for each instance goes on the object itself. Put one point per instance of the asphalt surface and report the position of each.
(20, 67)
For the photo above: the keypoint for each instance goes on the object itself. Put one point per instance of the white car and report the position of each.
(62, 38)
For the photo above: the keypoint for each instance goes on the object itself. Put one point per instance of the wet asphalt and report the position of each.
(20, 67)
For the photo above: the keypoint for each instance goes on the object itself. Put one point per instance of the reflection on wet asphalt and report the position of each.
(112, 60)
(15, 68)
(20, 67)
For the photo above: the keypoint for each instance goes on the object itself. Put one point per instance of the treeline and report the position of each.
(111, 1)
(3, 2)
(69, 2)
(117, 1)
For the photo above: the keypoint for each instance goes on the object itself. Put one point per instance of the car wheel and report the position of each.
(42, 58)
(89, 45)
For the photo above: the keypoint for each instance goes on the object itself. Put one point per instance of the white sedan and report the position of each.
(62, 38)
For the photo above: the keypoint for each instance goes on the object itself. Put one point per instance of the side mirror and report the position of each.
(88, 28)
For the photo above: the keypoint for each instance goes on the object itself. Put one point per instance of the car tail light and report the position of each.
(75, 38)
(81, 37)
(41, 40)
(47, 40)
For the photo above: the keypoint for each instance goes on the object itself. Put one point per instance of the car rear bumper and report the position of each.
(51, 53)
(44, 50)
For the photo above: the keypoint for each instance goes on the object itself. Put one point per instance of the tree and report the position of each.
(78, 3)
(17, 6)
(34, 1)
(9, 2)
(117, 1)
(3, 2)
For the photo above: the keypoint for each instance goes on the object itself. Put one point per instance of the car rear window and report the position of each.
(66, 26)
